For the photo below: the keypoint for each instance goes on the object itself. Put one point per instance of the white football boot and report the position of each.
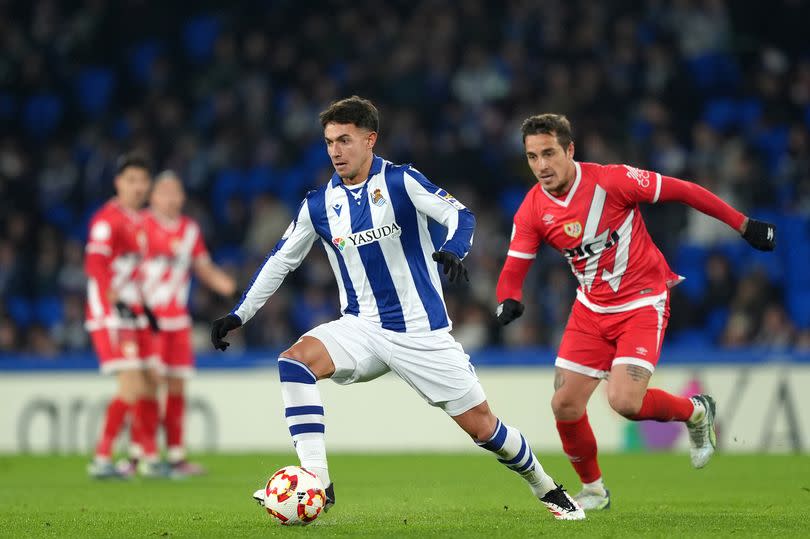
(702, 438)
(593, 499)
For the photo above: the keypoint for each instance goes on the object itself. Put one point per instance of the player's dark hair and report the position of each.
(548, 124)
(352, 110)
(132, 159)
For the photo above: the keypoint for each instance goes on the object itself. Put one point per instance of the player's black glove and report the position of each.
(124, 311)
(509, 310)
(221, 327)
(760, 235)
(150, 316)
(453, 267)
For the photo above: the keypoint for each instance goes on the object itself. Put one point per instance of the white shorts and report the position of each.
(434, 364)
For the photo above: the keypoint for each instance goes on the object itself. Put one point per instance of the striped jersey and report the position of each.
(376, 238)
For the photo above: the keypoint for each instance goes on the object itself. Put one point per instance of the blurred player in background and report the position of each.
(175, 248)
(372, 220)
(590, 214)
(115, 315)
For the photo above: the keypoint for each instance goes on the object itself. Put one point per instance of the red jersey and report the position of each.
(598, 227)
(172, 247)
(113, 252)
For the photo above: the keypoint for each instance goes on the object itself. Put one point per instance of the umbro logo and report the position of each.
(548, 219)
(640, 350)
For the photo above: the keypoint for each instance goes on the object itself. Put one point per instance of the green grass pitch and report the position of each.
(413, 495)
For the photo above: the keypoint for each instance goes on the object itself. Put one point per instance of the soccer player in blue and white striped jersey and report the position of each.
(372, 220)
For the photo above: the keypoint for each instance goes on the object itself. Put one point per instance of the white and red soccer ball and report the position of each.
(294, 496)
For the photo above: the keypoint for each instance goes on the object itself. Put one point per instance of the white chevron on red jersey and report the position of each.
(112, 255)
(598, 227)
(172, 247)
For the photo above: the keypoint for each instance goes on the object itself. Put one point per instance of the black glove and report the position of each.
(150, 316)
(760, 235)
(509, 310)
(453, 267)
(221, 327)
(124, 311)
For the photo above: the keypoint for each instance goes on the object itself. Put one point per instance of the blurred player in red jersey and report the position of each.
(115, 315)
(590, 213)
(175, 248)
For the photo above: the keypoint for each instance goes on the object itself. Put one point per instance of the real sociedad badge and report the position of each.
(377, 199)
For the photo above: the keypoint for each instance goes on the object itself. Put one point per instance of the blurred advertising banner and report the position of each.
(761, 408)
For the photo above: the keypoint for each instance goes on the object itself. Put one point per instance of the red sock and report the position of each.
(145, 425)
(117, 412)
(579, 444)
(662, 406)
(173, 422)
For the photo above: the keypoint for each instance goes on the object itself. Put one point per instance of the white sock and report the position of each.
(699, 412)
(303, 410)
(597, 486)
(515, 453)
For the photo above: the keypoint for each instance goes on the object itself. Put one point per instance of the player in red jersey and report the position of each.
(115, 316)
(590, 214)
(175, 248)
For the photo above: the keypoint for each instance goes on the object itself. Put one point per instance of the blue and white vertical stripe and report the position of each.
(377, 241)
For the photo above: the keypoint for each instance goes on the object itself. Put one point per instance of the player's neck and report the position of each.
(165, 218)
(129, 208)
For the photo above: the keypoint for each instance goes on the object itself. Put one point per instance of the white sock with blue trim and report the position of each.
(514, 452)
(303, 410)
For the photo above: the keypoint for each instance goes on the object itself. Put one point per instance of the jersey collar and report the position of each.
(376, 167)
(571, 191)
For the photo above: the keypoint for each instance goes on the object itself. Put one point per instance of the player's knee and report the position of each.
(625, 405)
(312, 353)
(566, 408)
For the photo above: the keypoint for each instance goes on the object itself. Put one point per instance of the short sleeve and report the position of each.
(630, 184)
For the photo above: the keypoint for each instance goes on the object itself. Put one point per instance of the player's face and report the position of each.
(132, 187)
(350, 149)
(168, 197)
(552, 165)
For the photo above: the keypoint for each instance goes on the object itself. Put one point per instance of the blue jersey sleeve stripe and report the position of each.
(379, 278)
(461, 242)
(320, 222)
(405, 215)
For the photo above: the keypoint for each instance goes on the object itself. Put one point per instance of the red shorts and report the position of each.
(593, 342)
(175, 352)
(124, 349)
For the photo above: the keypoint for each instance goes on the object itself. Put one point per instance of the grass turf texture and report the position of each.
(412, 495)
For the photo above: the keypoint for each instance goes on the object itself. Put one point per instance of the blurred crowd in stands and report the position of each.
(713, 91)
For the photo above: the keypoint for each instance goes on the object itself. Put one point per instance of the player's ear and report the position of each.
(371, 140)
(570, 150)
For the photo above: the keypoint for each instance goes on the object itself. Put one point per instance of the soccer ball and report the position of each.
(294, 496)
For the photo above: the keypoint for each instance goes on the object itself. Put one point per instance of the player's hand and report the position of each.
(150, 316)
(124, 311)
(221, 327)
(760, 235)
(509, 310)
(453, 267)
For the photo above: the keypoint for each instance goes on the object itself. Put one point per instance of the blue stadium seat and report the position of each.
(199, 35)
(42, 114)
(714, 71)
(21, 310)
(689, 338)
(94, 89)
(689, 262)
(716, 322)
(141, 59)
(798, 306)
(772, 143)
(48, 311)
(229, 183)
(229, 254)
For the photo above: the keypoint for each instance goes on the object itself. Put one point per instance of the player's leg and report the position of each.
(439, 370)
(177, 357)
(582, 362)
(321, 353)
(637, 352)
(128, 379)
(513, 451)
(146, 418)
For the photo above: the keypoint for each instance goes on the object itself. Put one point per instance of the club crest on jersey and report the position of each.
(365, 237)
(377, 199)
(573, 229)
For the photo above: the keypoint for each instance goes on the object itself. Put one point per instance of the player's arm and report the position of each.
(441, 206)
(285, 257)
(98, 267)
(519, 258)
(213, 276)
(759, 234)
